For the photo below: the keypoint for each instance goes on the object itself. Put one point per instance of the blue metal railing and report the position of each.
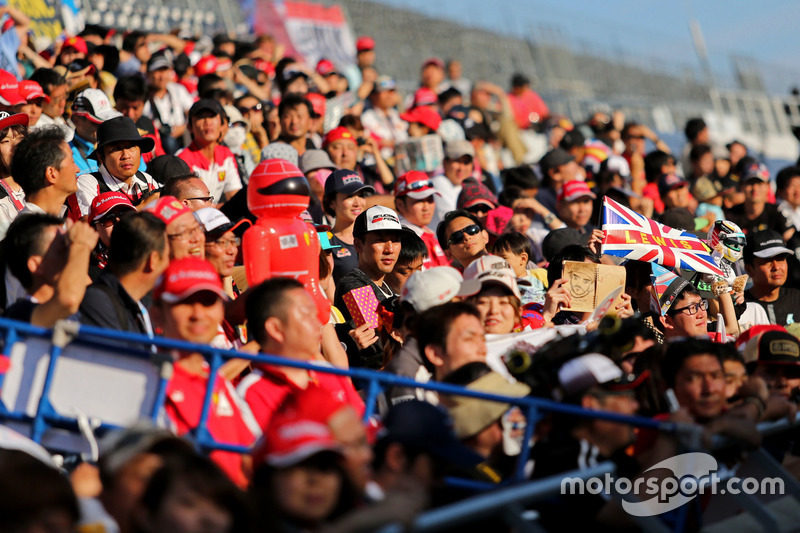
(126, 344)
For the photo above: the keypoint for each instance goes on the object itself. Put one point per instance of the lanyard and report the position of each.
(17, 204)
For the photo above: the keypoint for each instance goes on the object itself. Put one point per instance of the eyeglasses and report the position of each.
(207, 199)
(457, 237)
(186, 234)
(694, 308)
(225, 243)
(245, 110)
(108, 221)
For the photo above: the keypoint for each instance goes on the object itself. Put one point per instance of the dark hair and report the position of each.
(728, 352)
(351, 121)
(175, 184)
(573, 252)
(129, 41)
(678, 352)
(697, 152)
(434, 324)
(5, 170)
(688, 290)
(293, 100)
(203, 476)
(441, 229)
(783, 177)
(267, 301)
(24, 239)
(30, 488)
(42, 148)
(412, 247)
(132, 88)
(514, 242)
(135, 237)
(508, 195)
(653, 163)
(448, 94)
(48, 79)
(693, 128)
(522, 176)
(206, 83)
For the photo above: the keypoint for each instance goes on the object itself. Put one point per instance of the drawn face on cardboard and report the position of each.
(580, 284)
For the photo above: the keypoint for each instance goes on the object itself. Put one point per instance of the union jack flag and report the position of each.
(633, 236)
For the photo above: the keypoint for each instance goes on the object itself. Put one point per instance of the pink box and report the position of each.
(362, 304)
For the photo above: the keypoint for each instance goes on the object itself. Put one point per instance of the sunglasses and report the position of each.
(457, 237)
(417, 185)
(246, 110)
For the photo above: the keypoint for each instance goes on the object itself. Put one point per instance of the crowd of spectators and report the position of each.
(125, 161)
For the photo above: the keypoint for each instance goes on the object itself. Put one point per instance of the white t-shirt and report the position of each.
(220, 176)
(448, 199)
(88, 187)
(172, 107)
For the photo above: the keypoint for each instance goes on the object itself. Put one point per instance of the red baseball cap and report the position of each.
(16, 119)
(337, 134)
(572, 190)
(78, 43)
(415, 184)
(425, 96)
(168, 208)
(30, 90)
(318, 103)
(106, 202)
(365, 43)
(423, 115)
(206, 65)
(433, 61)
(299, 429)
(325, 67)
(185, 277)
(9, 89)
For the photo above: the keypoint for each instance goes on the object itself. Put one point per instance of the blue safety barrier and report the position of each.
(126, 344)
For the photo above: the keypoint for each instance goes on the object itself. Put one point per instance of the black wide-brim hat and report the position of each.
(121, 129)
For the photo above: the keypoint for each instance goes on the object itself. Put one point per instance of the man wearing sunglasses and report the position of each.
(106, 211)
(415, 200)
(462, 237)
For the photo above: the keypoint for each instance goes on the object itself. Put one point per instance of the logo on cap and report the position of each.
(353, 178)
(784, 347)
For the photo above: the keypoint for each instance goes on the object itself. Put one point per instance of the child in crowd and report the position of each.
(515, 248)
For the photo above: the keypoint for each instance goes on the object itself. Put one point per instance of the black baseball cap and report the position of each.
(766, 244)
(778, 348)
(558, 239)
(346, 182)
(554, 159)
(206, 104)
(419, 424)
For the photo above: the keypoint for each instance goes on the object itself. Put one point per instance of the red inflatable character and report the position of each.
(280, 243)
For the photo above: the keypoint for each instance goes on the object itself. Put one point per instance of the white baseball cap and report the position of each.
(432, 287)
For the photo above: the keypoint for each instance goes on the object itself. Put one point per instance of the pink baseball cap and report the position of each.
(425, 96)
(365, 43)
(168, 208)
(573, 190)
(415, 184)
(185, 277)
(422, 114)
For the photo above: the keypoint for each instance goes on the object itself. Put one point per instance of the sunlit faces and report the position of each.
(348, 207)
(58, 101)
(122, 159)
(206, 127)
(186, 237)
(471, 246)
(497, 309)
(576, 214)
(194, 319)
(418, 212)
(343, 153)
(221, 252)
(7, 144)
(295, 122)
(66, 175)
(378, 251)
(398, 277)
(308, 491)
(132, 109)
(457, 170)
(768, 273)
(700, 386)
